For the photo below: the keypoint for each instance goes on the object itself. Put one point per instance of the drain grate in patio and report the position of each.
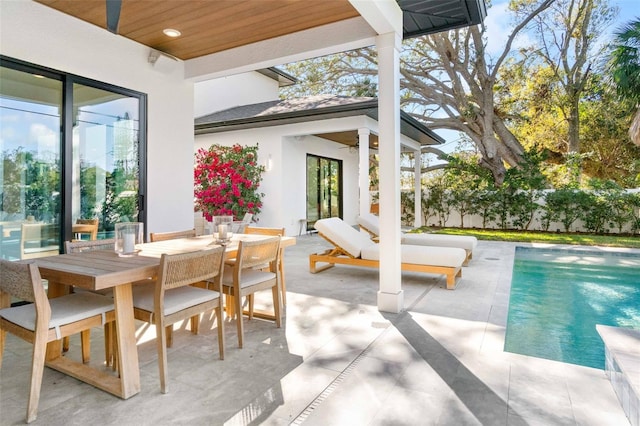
(332, 387)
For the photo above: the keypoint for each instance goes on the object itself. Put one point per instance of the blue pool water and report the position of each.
(559, 295)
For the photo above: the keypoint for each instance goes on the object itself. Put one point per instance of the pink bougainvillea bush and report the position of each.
(226, 181)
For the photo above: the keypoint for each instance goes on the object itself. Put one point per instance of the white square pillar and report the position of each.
(390, 294)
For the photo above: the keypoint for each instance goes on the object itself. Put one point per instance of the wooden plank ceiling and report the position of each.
(208, 26)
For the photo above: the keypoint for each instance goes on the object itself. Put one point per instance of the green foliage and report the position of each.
(31, 187)
(565, 205)
(439, 201)
(624, 63)
(407, 204)
(465, 188)
(610, 207)
(523, 187)
(606, 150)
(119, 205)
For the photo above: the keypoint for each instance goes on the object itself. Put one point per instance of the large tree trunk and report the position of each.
(574, 123)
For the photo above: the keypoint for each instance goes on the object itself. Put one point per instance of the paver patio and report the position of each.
(338, 361)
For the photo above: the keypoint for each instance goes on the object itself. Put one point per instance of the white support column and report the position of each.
(417, 188)
(363, 169)
(390, 294)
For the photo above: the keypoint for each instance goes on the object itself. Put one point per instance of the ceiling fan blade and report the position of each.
(113, 15)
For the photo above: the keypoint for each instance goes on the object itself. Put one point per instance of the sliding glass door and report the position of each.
(70, 149)
(324, 188)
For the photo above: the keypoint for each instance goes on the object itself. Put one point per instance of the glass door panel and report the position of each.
(312, 190)
(106, 171)
(30, 166)
(324, 189)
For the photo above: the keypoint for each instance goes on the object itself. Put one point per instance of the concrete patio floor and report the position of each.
(338, 361)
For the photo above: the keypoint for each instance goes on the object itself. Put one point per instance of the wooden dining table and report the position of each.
(105, 269)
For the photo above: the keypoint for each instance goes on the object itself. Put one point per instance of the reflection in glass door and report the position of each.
(324, 188)
(30, 166)
(105, 157)
(71, 150)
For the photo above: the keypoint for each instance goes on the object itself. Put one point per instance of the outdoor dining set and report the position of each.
(111, 283)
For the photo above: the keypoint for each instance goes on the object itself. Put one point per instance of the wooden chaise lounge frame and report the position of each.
(338, 255)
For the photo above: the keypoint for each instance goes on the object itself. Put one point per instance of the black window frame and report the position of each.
(66, 135)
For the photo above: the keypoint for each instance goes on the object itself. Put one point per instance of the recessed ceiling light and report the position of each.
(171, 32)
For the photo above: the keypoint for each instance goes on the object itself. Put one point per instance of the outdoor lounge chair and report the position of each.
(357, 249)
(371, 224)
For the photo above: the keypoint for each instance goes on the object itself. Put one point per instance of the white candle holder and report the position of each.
(222, 230)
(128, 236)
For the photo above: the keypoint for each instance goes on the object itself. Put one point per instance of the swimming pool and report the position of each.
(559, 295)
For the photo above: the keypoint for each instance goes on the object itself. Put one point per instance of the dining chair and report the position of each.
(86, 226)
(243, 279)
(162, 236)
(173, 299)
(44, 320)
(273, 231)
(79, 246)
(37, 240)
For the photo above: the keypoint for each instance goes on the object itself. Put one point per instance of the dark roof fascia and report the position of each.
(434, 30)
(414, 128)
(284, 79)
(409, 126)
(285, 117)
(474, 13)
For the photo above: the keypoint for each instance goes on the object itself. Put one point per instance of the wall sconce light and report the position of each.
(268, 165)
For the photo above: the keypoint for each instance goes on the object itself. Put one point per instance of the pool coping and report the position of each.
(622, 354)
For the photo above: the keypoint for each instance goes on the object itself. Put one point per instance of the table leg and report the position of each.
(128, 384)
(125, 332)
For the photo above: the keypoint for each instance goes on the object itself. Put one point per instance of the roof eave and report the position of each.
(409, 126)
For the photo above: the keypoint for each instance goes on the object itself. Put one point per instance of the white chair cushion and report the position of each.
(249, 277)
(440, 240)
(64, 310)
(345, 236)
(175, 299)
(422, 255)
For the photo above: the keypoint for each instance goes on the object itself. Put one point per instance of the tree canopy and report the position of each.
(625, 69)
(546, 95)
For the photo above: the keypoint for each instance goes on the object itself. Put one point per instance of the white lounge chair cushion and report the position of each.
(175, 299)
(64, 310)
(372, 223)
(441, 240)
(345, 236)
(422, 255)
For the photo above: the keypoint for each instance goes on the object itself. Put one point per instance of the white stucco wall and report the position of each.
(38, 34)
(285, 184)
(232, 91)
